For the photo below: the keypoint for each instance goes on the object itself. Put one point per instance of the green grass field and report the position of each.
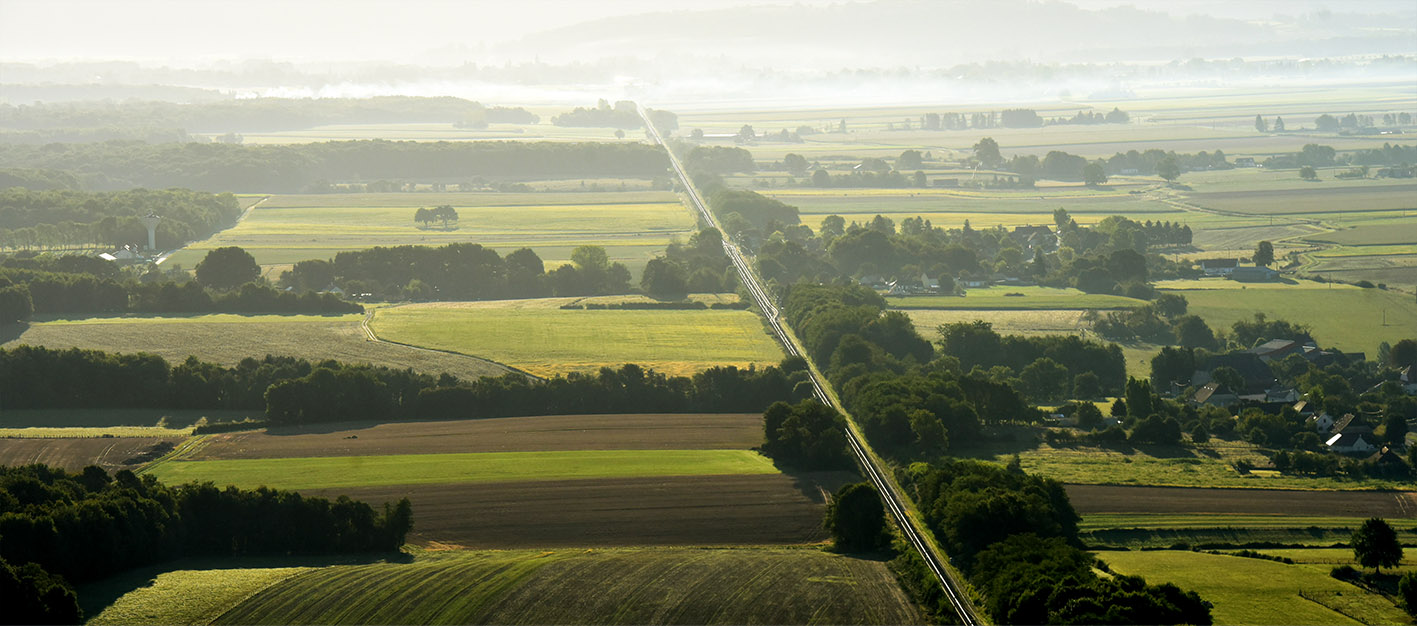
(227, 339)
(1032, 298)
(632, 226)
(617, 586)
(485, 467)
(1255, 591)
(184, 596)
(1339, 316)
(537, 337)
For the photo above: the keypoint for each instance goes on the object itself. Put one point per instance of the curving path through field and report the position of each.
(370, 336)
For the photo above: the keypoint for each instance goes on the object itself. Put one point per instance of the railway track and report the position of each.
(884, 484)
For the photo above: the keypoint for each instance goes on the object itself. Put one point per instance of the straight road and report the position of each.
(878, 476)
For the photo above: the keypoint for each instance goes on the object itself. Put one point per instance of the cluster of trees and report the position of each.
(1015, 536)
(1046, 369)
(808, 436)
(227, 281)
(460, 271)
(624, 114)
(78, 527)
(747, 214)
(716, 160)
(1353, 121)
(1115, 116)
(1113, 256)
(444, 213)
(294, 391)
(301, 167)
(252, 114)
(38, 180)
(67, 218)
(699, 266)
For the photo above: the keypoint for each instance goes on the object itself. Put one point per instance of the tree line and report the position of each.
(25, 292)
(460, 271)
(58, 527)
(297, 391)
(301, 167)
(67, 218)
(255, 114)
(624, 115)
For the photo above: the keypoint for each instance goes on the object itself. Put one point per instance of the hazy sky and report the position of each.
(197, 32)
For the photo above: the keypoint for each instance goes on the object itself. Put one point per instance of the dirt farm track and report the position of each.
(1181, 500)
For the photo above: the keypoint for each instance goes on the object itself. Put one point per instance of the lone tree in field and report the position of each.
(1308, 173)
(1278, 124)
(423, 216)
(856, 519)
(987, 151)
(1375, 545)
(1093, 175)
(1168, 169)
(1264, 254)
(444, 213)
(227, 268)
(1261, 125)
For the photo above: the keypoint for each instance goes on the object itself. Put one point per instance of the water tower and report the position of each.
(151, 222)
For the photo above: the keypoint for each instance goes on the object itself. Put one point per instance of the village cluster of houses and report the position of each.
(1346, 434)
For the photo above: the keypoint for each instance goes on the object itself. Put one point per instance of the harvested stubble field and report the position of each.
(538, 337)
(1023, 298)
(1396, 233)
(666, 504)
(1205, 465)
(632, 225)
(626, 586)
(1310, 198)
(1092, 499)
(75, 453)
(1053, 322)
(1256, 591)
(227, 339)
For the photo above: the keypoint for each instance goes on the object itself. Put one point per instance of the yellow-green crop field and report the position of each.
(535, 336)
(1349, 318)
(752, 585)
(632, 226)
(1257, 591)
(227, 339)
(342, 472)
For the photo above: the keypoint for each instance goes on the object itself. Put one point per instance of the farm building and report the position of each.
(1034, 237)
(1245, 162)
(1276, 349)
(1351, 436)
(1218, 267)
(1321, 423)
(1254, 274)
(1214, 394)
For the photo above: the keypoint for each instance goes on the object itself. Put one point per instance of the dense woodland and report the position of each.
(296, 391)
(312, 167)
(66, 218)
(58, 528)
(623, 115)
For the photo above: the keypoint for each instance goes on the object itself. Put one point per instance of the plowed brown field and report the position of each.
(693, 510)
(1181, 500)
(76, 453)
(507, 434)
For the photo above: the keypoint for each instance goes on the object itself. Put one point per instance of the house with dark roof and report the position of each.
(1218, 267)
(1258, 377)
(1276, 349)
(1254, 275)
(1389, 462)
(1351, 436)
(1214, 394)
